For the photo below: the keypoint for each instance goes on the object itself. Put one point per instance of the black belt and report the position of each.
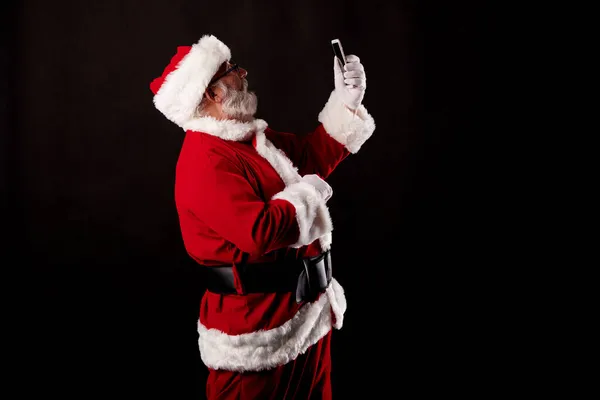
(306, 277)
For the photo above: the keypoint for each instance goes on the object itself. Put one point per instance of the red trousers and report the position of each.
(306, 377)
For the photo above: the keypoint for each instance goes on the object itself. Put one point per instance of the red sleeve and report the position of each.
(227, 203)
(313, 153)
(340, 133)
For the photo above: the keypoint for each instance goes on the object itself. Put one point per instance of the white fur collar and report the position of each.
(226, 129)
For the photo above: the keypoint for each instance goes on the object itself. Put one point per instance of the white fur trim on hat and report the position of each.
(182, 89)
(265, 349)
(350, 130)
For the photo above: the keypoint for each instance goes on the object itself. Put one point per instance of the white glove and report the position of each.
(320, 185)
(352, 83)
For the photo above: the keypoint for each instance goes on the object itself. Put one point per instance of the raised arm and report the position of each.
(345, 125)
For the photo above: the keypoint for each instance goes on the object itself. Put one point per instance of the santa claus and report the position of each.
(252, 206)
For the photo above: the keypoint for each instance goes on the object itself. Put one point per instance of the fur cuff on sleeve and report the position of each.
(350, 130)
(312, 214)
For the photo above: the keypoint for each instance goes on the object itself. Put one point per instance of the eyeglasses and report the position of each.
(234, 67)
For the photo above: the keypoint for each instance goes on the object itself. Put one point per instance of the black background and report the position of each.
(108, 303)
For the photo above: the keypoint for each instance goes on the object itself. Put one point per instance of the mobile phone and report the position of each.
(338, 51)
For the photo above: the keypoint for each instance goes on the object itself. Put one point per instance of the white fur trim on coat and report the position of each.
(325, 241)
(267, 349)
(226, 129)
(350, 130)
(312, 214)
(290, 176)
(277, 158)
(183, 88)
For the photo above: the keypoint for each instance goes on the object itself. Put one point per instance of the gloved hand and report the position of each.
(350, 84)
(320, 185)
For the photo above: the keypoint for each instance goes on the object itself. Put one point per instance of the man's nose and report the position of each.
(242, 72)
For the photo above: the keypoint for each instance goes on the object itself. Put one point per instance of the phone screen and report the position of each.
(338, 50)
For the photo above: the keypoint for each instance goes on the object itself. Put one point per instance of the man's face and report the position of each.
(233, 101)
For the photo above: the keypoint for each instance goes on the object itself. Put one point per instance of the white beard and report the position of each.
(240, 104)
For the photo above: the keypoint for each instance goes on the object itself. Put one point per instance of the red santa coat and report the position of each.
(238, 190)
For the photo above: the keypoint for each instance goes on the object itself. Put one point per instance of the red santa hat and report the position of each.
(179, 90)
